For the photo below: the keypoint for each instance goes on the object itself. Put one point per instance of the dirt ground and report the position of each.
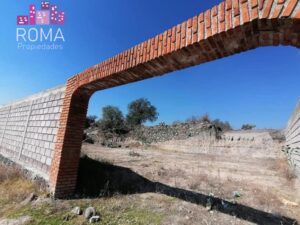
(204, 188)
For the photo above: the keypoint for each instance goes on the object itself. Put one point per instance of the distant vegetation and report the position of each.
(223, 125)
(248, 127)
(141, 111)
(196, 119)
(90, 121)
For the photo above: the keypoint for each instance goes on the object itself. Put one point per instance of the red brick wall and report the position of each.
(231, 27)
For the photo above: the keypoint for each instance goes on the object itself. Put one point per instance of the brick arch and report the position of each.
(231, 27)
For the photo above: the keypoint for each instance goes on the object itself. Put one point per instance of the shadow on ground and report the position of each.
(98, 179)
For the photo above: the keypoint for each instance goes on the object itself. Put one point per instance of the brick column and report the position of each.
(65, 162)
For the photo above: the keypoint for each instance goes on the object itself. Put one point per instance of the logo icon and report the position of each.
(47, 15)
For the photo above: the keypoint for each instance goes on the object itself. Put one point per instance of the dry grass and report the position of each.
(9, 172)
(290, 174)
(14, 186)
(137, 206)
(266, 183)
(284, 170)
(197, 183)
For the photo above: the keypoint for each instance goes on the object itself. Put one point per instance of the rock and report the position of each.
(42, 200)
(89, 212)
(77, 210)
(289, 203)
(224, 204)
(154, 134)
(94, 219)
(236, 194)
(20, 221)
(29, 199)
(209, 204)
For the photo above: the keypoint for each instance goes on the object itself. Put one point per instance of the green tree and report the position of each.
(248, 127)
(90, 121)
(141, 111)
(112, 119)
(224, 126)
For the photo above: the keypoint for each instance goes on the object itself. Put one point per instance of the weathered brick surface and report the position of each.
(28, 130)
(293, 139)
(231, 27)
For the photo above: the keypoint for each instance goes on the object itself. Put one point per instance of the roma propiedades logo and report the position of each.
(41, 28)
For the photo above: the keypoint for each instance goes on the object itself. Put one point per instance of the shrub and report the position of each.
(223, 126)
(90, 121)
(205, 118)
(199, 119)
(248, 127)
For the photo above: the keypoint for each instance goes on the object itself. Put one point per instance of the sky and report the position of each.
(259, 86)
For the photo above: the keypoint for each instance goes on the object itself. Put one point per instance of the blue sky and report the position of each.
(259, 86)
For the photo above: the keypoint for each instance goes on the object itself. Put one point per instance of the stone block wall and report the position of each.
(293, 139)
(28, 130)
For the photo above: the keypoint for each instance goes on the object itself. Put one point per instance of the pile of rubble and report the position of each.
(151, 134)
(163, 132)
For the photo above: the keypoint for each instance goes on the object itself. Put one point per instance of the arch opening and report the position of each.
(225, 30)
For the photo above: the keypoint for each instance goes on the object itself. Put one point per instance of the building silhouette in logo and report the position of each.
(47, 15)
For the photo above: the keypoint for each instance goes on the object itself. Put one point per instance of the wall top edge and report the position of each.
(57, 89)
